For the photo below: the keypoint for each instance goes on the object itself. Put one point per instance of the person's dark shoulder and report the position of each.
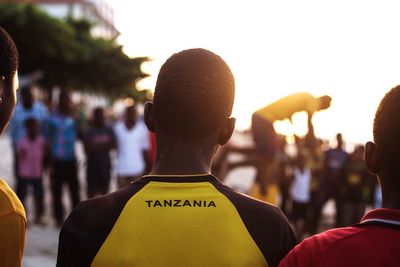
(321, 247)
(266, 224)
(252, 205)
(92, 212)
(89, 224)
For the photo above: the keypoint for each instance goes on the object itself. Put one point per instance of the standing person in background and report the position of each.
(300, 193)
(355, 188)
(132, 148)
(375, 241)
(284, 173)
(31, 153)
(28, 108)
(331, 185)
(62, 133)
(12, 213)
(99, 140)
(315, 162)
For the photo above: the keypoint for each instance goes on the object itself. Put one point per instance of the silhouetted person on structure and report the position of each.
(375, 241)
(180, 214)
(264, 135)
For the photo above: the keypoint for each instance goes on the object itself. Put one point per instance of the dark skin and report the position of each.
(8, 88)
(376, 166)
(130, 117)
(185, 157)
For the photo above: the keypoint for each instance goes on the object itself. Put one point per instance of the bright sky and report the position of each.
(347, 49)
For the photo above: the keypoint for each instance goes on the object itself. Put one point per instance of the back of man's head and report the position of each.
(194, 94)
(8, 56)
(386, 131)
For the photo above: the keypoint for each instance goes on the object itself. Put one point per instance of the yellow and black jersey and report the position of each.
(175, 221)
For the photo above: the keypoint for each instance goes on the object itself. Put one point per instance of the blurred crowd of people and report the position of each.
(181, 206)
(44, 139)
(44, 145)
(302, 178)
(301, 182)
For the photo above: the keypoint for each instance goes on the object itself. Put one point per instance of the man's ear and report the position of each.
(227, 130)
(149, 118)
(372, 158)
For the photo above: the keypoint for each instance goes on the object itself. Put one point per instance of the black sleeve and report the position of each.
(266, 224)
(89, 224)
(65, 255)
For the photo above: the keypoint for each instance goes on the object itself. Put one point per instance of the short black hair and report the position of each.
(8, 55)
(386, 131)
(194, 93)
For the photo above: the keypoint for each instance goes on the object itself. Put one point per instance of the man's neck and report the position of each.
(391, 203)
(182, 160)
(390, 197)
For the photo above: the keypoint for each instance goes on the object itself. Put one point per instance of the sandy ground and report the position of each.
(42, 241)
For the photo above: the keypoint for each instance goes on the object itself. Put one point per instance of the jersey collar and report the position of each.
(189, 178)
(383, 215)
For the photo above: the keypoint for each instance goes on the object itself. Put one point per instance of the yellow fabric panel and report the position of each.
(285, 107)
(179, 236)
(271, 196)
(12, 227)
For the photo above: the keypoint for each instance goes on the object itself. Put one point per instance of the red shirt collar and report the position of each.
(382, 214)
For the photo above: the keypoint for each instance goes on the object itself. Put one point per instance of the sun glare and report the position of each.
(345, 49)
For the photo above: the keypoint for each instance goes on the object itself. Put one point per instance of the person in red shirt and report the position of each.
(375, 241)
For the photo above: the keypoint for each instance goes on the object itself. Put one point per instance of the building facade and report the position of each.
(99, 12)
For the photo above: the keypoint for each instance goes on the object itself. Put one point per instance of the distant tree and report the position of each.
(69, 55)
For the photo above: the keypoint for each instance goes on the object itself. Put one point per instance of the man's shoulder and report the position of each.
(250, 204)
(92, 212)
(266, 224)
(333, 238)
(317, 248)
(9, 202)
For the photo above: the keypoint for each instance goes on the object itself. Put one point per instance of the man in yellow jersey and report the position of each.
(180, 214)
(12, 213)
